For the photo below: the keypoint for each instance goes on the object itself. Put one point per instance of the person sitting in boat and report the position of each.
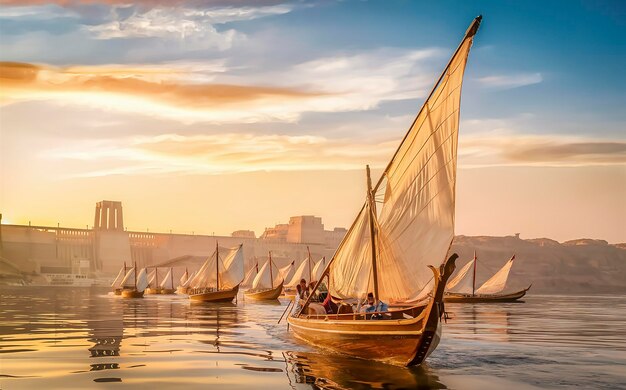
(330, 306)
(302, 293)
(371, 306)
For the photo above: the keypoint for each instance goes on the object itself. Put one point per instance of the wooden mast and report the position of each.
(474, 278)
(372, 216)
(156, 277)
(217, 265)
(271, 275)
(309, 260)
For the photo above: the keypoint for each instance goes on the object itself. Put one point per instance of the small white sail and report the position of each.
(184, 278)
(247, 280)
(287, 271)
(263, 280)
(118, 278)
(318, 269)
(167, 282)
(129, 279)
(230, 268)
(497, 282)
(299, 274)
(142, 280)
(152, 278)
(189, 279)
(463, 282)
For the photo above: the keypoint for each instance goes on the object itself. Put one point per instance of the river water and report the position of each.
(86, 338)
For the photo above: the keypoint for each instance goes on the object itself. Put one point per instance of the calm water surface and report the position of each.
(86, 338)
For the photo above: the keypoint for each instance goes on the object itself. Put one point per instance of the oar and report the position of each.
(281, 317)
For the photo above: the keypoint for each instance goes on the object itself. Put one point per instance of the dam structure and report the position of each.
(102, 250)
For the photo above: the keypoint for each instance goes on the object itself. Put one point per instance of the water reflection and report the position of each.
(336, 372)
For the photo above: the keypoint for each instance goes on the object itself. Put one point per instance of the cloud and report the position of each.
(510, 149)
(212, 92)
(510, 81)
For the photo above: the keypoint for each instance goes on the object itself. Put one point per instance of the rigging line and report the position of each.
(458, 49)
(403, 194)
(409, 146)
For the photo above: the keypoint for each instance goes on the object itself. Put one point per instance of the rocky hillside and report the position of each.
(579, 266)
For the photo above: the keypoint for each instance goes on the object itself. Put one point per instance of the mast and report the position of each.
(309, 260)
(372, 216)
(135, 275)
(474, 278)
(217, 265)
(271, 275)
(156, 275)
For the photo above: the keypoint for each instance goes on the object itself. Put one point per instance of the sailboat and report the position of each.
(387, 251)
(219, 278)
(140, 283)
(184, 282)
(167, 285)
(153, 283)
(250, 275)
(462, 288)
(308, 270)
(268, 283)
(117, 283)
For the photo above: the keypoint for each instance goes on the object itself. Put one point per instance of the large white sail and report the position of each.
(183, 279)
(167, 282)
(265, 279)
(318, 269)
(118, 278)
(142, 280)
(302, 272)
(129, 279)
(415, 226)
(230, 270)
(247, 280)
(497, 283)
(463, 282)
(152, 278)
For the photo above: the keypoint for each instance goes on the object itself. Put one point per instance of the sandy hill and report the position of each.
(577, 266)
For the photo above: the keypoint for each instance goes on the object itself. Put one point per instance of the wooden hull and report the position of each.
(151, 291)
(132, 294)
(271, 294)
(215, 296)
(468, 298)
(182, 290)
(117, 291)
(398, 341)
(167, 291)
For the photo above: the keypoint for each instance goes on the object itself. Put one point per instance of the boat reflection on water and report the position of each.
(488, 322)
(330, 371)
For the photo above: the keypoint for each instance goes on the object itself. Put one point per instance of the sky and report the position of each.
(213, 116)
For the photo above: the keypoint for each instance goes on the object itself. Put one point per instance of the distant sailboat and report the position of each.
(308, 270)
(462, 288)
(153, 283)
(139, 283)
(250, 275)
(167, 285)
(184, 282)
(387, 251)
(268, 283)
(219, 277)
(117, 283)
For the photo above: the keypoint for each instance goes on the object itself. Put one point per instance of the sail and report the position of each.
(189, 279)
(287, 271)
(129, 279)
(152, 278)
(168, 282)
(415, 225)
(318, 269)
(118, 278)
(183, 279)
(230, 267)
(142, 280)
(302, 272)
(247, 280)
(463, 282)
(497, 282)
(263, 280)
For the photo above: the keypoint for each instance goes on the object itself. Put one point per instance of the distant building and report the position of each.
(305, 229)
(243, 234)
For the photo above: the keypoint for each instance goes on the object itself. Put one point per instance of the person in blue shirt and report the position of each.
(374, 307)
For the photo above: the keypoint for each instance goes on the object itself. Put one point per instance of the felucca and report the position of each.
(462, 288)
(183, 287)
(153, 283)
(268, 283)
(167, 285)
(117, 283)
(140, 282)
(218, 279)
(308, 270)
(387, 251)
